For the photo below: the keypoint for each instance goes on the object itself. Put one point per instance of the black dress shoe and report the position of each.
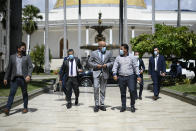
(155, 98)
(76, 101)
(122, 109)
(69, 105)
(140, 98)
(6, 111)
(96, 108)
(132, 109)
(102, 108)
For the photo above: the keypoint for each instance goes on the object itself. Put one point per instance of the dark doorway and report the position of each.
(62, 47)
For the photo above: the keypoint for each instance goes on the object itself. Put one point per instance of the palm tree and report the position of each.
(3, 8)
(30, 14)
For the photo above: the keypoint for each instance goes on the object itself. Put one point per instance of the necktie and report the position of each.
(71, 67)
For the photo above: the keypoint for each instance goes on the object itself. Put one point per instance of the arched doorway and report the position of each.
(62, 47)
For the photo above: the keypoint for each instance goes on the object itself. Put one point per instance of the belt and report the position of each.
(96, 69)
(72, 76)
(19, 77)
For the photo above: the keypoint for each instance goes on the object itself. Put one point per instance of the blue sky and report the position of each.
(160, 4)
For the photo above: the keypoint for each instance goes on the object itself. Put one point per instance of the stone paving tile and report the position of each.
(48, 112)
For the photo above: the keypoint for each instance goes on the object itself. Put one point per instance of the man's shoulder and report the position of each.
(161, 57)
(118, 57)
(152, 57)
(95, 51)
(13, 56)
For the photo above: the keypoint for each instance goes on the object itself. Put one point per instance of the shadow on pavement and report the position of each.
(119, 107)
(15, 111)
(107, 106)
(151, 97)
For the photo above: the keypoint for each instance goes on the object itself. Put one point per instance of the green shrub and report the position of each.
(37, 56)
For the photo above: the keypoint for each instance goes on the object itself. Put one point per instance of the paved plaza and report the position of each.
(48, 112)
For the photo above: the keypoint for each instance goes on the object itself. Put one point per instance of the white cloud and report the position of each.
(188, 4)
(172, 4)
(39, 3)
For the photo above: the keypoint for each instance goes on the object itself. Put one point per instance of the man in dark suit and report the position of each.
(71, 67)
(141, 70)
(157, 69)
(20, 69)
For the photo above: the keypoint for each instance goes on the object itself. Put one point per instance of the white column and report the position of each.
(47, 64)
(125, 23)
(133, 32)
(44, 37)
(87, 35)
(153, 16)
(65, 31)
(8, 36)
(28, 44)
(179, 15)
(111, 37)
(79, 28)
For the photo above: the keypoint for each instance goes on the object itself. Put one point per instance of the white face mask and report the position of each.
(155, 53)
(121, 52)
(137, 56)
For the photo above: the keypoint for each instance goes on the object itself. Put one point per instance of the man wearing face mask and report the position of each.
(71, 67)
(157, 69)
(126, 66)
(101, 61)
(20, 69)
(141, 70)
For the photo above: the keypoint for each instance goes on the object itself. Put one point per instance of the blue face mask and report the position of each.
(103, 50)
(155, 53)
(121, 52)
(71, 56)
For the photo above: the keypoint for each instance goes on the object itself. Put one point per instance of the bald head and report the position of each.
(101, 43)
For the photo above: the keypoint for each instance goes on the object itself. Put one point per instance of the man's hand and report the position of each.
(80, 70)
(5, 82)
(99, 66)
(150, 76)
(141, 72)
(27, 79)
(163, 74)
(139, 79)
(60, 82)
(115, 78)
(105, 66)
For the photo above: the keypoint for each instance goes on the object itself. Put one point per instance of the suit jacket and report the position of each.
(161, 65)
(65, 58)
(141, 65)
(65, 68)
(27, 67)
(95, 59)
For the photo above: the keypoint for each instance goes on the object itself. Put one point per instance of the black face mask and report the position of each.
(23, 52)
